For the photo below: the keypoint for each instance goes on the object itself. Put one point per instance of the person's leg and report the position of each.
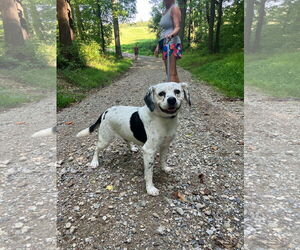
(173, 70)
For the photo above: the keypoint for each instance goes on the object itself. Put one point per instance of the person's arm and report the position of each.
(176, 16)
(156, 51)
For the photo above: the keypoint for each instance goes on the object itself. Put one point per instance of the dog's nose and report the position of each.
(171, 101)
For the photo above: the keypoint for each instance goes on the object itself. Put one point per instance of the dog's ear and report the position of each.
(149, 99)
(186, 93)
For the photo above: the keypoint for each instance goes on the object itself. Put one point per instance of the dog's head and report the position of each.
(165, 99)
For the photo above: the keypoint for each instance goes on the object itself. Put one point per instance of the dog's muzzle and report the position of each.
(172, 107)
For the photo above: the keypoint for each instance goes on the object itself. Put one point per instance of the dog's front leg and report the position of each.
(149, 159)
(163, 158)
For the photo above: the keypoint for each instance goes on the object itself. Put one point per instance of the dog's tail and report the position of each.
(91, 129)
(45, 132)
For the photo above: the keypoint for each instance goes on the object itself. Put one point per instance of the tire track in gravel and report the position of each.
(209, 142)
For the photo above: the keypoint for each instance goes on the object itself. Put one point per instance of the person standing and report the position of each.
(136, 52)
(169, 40)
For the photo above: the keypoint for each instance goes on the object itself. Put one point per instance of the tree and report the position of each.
(248, 23)
(101, 27)
(36, 21)
(13, 30)
(65, 27)
(218, 29)
(211, 23)
(79, 25)
(183, 7)
(260, 22)
(116, 29)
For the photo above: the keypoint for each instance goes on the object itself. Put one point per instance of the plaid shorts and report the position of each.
(174, 49)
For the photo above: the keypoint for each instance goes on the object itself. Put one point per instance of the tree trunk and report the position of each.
(218, 30)
(101, 28)
(36, 20)
(211, 26)
(190, 26)
(116, 31)
(66, 34)
(207, 11)
(182, 6)
(248, 24)
(80, 28)
(23, 21)
(260, 22)
(13, 32)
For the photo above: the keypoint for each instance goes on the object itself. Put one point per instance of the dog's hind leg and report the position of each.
(101, 144)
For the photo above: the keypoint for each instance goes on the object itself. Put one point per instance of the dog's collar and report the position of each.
(170, 117)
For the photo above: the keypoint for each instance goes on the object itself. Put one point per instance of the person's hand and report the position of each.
(169, 36)
(156, 52)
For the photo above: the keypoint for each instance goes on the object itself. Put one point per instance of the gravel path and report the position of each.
(272, 187)
(27, 177)
(200, 203)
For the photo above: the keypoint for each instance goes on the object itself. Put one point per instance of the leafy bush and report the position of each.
(223, 71)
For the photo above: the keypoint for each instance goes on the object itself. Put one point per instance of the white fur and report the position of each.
(84, 132)
(160, 128)
(44, 132)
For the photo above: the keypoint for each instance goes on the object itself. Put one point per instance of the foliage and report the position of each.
(224, 71)
(99, 71)
(277, 74)
(137, 33)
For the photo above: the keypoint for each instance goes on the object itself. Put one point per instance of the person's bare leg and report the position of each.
(173, 70)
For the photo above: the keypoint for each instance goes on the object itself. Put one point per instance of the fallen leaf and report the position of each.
(110, 187)
(179, 196)
(214, 148)
(20, 123)
(69, 123)
(201, 177)
(206, 191)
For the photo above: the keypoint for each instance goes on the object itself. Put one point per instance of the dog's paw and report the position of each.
(134, 149)
(152, 191)
(94, 164)
(167, 170)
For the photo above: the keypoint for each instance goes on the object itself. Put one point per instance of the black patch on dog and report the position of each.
(105, 114)
(149, 101)
(96, 124)
(137, 127)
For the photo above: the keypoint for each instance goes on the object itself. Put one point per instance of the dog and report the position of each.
(152, 126)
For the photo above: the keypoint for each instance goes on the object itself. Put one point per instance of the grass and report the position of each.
(10, 98)
(130, 34)
(100, 71)
(223, 71)
(36, 71)
(43, 77)
(278, 75)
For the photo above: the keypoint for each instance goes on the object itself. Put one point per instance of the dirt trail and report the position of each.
(27, 177)
(209, 144)
(272, 187)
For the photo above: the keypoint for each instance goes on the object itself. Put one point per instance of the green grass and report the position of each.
(223, 71)
(10, 98)
(131, 34)
(100, 71)
(278, 75)
(44, 77)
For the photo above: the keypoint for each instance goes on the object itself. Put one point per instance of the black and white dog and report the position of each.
(153, 126)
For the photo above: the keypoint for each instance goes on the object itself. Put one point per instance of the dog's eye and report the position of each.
(162, 93)
(177, 91)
